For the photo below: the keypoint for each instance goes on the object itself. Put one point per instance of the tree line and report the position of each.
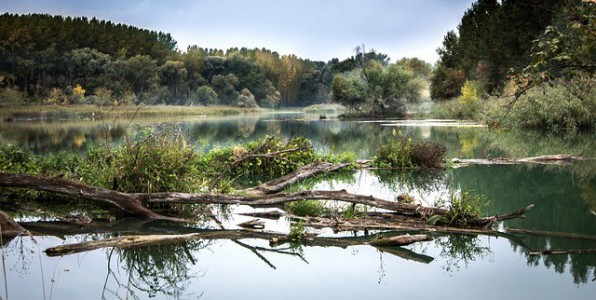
(78, 60)
(495, 42)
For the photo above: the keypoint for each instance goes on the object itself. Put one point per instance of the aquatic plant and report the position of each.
(402, 152)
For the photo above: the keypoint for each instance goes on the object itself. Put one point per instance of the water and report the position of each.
(450, 267)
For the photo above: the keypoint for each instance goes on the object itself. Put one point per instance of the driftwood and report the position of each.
(8, 227)
(563, 252)
(552, 234)
(272, 214)
(253, 224)
(124, 242)
(126, 202)
(401, 240)
(305, 172)
(544, 159)
(134, 203)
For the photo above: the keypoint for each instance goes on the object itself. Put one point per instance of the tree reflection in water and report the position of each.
(458, 249)
(154, 270)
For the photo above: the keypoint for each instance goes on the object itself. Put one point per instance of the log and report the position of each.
(133, 203)
(125, 202)
(563, 252)
(8, 227)
(253, 224)
(123, 242)
(401, 240)
(305, 172)
(544, 159)
(272, 215)
(553, 234)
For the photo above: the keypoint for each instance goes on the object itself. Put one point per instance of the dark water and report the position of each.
(450, 267)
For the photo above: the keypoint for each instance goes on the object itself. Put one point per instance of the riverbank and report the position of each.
(90, 112)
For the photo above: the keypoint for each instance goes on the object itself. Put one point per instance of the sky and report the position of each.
(312, 29)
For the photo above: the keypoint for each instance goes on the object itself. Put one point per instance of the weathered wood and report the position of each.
(133, 203)
(253, 224)
(400, 240)
(272, 214)
(553, 234)
(544, 159)
(563, 252)
(305, 172)
(126, 202)
(145, 240)
(407, 254)
(8, 227)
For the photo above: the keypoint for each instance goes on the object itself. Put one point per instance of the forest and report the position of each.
(532, 61)
(66, 60)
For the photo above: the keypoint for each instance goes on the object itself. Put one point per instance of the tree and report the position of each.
(205, 95)
(246, 99)
(173, 75)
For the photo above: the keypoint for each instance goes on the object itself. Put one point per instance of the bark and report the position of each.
(544, 159)
(133, 203)
(562, 252)
(8, 227)
(305, 172)
(553, 234)
(125, 202)
(401, 240)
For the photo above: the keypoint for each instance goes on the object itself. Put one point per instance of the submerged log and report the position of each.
(544, 159)
(401, 240)
(563, 252)
(134, 203)
(126, 202)
(8, 227)
(305, 172)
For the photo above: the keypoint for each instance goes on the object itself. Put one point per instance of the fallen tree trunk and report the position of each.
(8, 227)
(133, 203)
(563, 252)
(126, 202)
(400, 240)
(305, 172)
(124, 242)
(544, 159)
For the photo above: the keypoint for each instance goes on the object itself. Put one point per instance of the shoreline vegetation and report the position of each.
(160, 177)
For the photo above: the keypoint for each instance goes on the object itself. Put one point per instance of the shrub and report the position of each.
(159, 161)
(304, 208)
(403, 153)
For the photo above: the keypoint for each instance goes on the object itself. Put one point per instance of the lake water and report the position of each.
(450, 267)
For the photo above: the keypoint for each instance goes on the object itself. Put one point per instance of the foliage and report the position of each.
(565, 49)
(551, 107)
(492, 38)
(305, 208)
(469, 96)
(11, 97)
(464, 207)
(403, 153)
(376, 87)
(156, 162)
(15, 159)
(446, 83)
(246, 99)
(296, 230)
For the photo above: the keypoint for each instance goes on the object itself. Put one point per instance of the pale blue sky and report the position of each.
(314, 29)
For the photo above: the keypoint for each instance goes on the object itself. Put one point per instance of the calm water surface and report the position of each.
(450, 267)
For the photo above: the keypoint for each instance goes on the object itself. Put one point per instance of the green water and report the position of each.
(450, 267)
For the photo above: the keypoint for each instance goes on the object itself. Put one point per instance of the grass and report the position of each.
(324, 109)
(79, 112)
(402, 152)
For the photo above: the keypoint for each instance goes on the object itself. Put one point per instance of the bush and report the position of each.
(157, 162)
(403, 153)
(560, 106)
